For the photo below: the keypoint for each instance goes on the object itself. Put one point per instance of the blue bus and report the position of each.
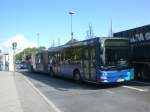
(98, 60)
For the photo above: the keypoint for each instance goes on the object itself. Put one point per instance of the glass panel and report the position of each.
(93, 64)
(116, 54)
(89, 63)
(73, 55)
(86, 64)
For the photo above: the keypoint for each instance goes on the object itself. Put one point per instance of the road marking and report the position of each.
(141, 82)
(109, 91)
(138, 89)
(43, 96)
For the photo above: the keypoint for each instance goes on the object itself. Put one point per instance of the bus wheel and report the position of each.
(145, 73)
(51, 72)
(77, 77)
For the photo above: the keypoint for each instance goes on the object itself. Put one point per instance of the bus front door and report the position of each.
(89, 70)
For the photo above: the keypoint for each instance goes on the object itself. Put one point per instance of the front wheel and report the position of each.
(77, 77)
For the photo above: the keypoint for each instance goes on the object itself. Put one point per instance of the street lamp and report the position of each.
(71, 13)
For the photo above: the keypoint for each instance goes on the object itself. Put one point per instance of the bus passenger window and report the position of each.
(53, 61)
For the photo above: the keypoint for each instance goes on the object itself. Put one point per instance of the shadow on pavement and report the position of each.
(62, 84)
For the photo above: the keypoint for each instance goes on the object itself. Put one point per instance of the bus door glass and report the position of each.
(45, 62)
(38, 62)
(56, 66)
(41, 68)
(89, 63)
(59, 63)
(92, 63)
(86, 71)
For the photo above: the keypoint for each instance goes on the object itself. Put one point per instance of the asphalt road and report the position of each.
(68, 96)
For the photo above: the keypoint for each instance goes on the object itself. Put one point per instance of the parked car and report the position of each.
(21, 65)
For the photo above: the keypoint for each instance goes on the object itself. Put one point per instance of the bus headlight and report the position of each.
(104, 76)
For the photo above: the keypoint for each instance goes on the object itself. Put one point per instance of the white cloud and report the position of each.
(21, 41)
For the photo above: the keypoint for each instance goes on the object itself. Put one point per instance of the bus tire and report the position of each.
(145, 73)
(77, 77)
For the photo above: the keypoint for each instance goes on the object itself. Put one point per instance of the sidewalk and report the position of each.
(16, 95)
(9, 100)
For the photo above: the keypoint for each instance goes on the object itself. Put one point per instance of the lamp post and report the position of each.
(14, 45)
(71, 13)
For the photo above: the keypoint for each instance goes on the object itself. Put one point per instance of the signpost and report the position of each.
(14, 45)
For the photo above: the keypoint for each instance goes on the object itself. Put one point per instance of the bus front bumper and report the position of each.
(115, 76)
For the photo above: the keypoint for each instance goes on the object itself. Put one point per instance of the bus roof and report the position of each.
(83, 43)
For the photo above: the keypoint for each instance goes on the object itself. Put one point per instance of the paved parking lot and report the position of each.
(67, 96)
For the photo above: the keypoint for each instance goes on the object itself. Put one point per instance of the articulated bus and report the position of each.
(39, 62)
(98, 60)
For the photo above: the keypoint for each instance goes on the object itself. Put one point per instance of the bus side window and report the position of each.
(67, 56)
(93, 57)
(38, 60)
(49, 59)
(41, 57)
(53, 61)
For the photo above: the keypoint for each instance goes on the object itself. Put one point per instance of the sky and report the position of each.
(51, 19)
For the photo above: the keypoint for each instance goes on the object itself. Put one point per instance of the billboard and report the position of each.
(136, 35)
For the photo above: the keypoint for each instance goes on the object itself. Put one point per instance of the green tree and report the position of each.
(42, 48)
(28, 51)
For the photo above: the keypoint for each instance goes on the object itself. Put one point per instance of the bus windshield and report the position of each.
(116, 54)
